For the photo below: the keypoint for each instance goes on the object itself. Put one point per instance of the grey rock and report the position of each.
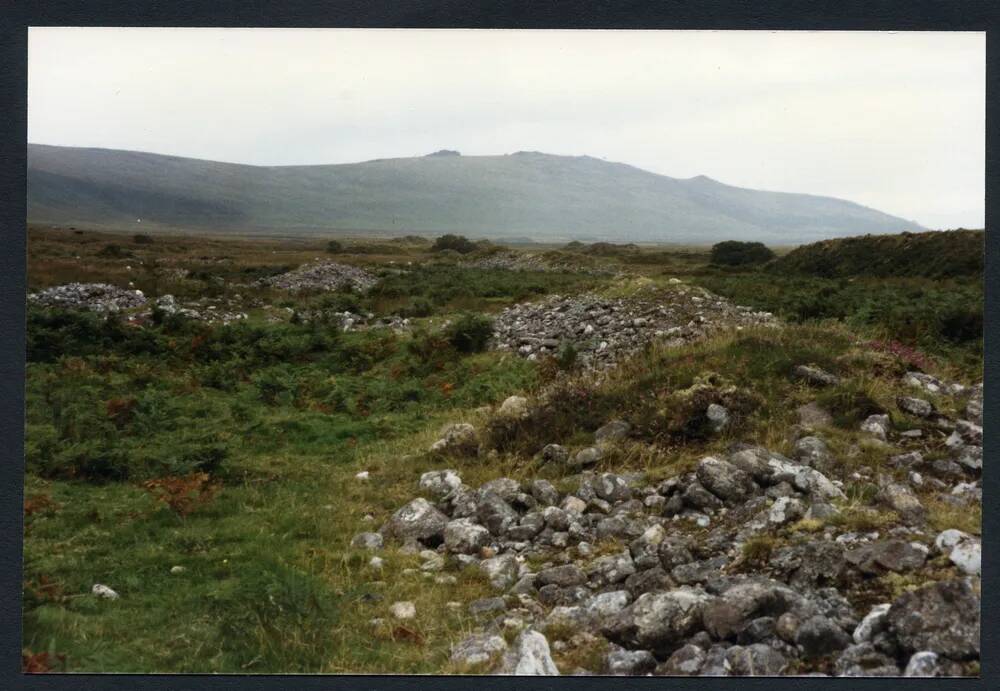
(440, 483)
(725, 480)
(554, 453)
(487, 605)
(902, 500)
(562, 576)
(544, 492)
(815, 376)
(737, 605)
(612, 431)
(610, 569)
(864, 660)
(657, 621)
(698, 497)
(477, 650)
(718, 417)
(886, 555)
(941, 617)
(917, 407)
(501, 570)
(463, 536)
(495, 513)
(621, 662)
(756, 660)
(819, 636)
(370, 541)
(877, 426)
(459, 439)
(873, 623)
(923, 664)
(685, 661)
(812, 415)
(585, 458)
(418, 520)
(813, 452)
(529, 656)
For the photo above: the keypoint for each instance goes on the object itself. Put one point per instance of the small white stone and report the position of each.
(104, 591)
(376, 563)
(177, 570)
(363, 475)
(403, 610)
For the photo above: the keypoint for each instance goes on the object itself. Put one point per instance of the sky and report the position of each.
(891, 120)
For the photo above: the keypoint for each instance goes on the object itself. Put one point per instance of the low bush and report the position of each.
(458, 243)
(734, 253)
(470, 333)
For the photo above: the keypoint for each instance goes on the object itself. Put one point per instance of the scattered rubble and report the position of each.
(321, 276)
(602, 330)
(96, 297)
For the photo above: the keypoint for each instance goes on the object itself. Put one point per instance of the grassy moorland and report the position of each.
(230, 451)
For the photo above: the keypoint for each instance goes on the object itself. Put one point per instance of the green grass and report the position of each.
(283, 415)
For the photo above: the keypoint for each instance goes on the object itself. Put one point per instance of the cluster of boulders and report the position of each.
(321, 276)
(751, 564)
(602, 330)
(96, 297)
(354, 321)
(213, 311)
(518, 261)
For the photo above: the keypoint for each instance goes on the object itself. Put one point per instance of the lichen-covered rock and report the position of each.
(515, 407)
(740, 603)
(818, 636)
(724, 480)
(755, 660)
(419, 520)
(529, 656)
(501, 570)
(887, 555)
(464, 536)
(941, 617)
(367, 541)
(657, 621)
(815, 376)
(877, 426)
(458, 439)
(439, 483)
(612, 431)
(477, 650)
(554, 453)
(621, 662)
(917, 407)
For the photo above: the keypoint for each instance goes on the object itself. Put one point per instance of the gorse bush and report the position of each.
(470, 333)
(734, 253)
(334, 247)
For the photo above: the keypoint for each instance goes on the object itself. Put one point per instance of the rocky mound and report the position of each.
(96, 297)
(753, 564)
(321, 276)
(517, 261)
(603, 330)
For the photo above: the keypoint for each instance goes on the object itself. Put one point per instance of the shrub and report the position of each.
(458, 243)
(114, 251)
(334, 247)
(470, 333)
(142, 239)
(734, 253)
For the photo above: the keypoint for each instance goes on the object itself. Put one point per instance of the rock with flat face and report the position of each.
(370, 541)
(613, 431)
(902, 500)
(819, 636)
(587, 457)
(514, 407)
(718, 417)
(864, 660)
(500, 570)
(458, 439)
(813, 452)
(877, 426)
(478, 649)
(917, 407)
(815, 376)
(812, 415)
(739, 604)
(418, 520)
(621, 662)
(941, 617)
(657, 621)
(725, 480)
(554, 453)
(610, 569)
(495, 514)
(464, 536)
(562, 576)
(755, 660)
(873, 623)
(528, 656)
(887, 555)
(686, 661)
(440, 483)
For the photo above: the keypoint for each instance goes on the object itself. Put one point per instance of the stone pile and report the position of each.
(96, 297)
(748, 565)
(321, 276)
(518, 261)
(603, 330)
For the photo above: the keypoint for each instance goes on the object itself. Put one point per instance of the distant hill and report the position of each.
(526, 194)
(932, 255)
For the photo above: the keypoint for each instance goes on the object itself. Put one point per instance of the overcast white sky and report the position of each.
(895, 121)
